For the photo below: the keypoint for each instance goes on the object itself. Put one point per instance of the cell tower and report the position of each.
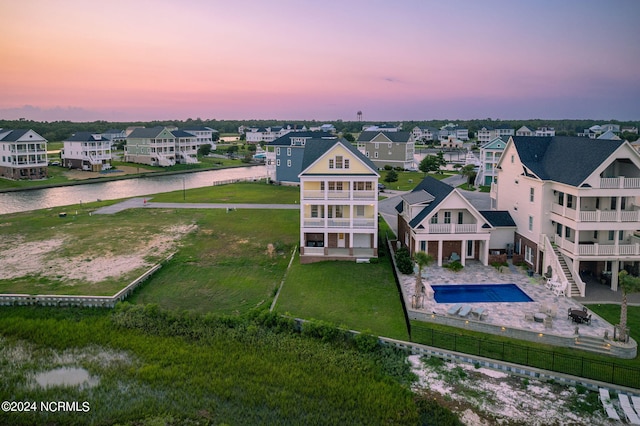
(360, 116)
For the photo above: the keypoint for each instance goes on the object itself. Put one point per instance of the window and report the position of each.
(338, 211)
(460, 217)
(360, 211)
(611, 235)
(613, 203)
(288, 152)
(322, 186)
(434, 218)
(559, 229)
(595, 235)
(332, 186)
(375, 154)
(278, 151)
(567, 232)
(278, 162)
(338, 161)
(314, 211)
(288, 163)
(531, 194)
(561, 198)
(569, 201)
(367, 154)
(530, 223)
(513, 158)
(528, 254)
(623, 203)
(423, 246)
(447, 217)
(620, 235)
(376, 145)
(338, 186)
(346, 163)
(331, 163)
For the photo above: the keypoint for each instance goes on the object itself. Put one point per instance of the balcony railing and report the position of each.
(364, 223)
(598, 249)
(313, 195)
(359, 223)
(597, 215)
(338, 195)
(453, 228)
(620, 182)
(364, 195)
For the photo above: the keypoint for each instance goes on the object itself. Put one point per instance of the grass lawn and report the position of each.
(408, 180)
(359, 296)
(225, 267)
(243, 192)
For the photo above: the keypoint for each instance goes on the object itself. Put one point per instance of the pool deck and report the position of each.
(512, 314)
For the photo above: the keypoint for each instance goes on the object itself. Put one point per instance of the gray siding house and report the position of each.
(395, 149)
(285, 154)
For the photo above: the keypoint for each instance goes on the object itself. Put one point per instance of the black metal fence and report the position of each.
(605, 371)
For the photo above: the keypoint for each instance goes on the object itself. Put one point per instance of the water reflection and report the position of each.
(11, 202)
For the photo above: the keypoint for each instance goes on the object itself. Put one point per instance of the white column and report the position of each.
(439, 252)
(463, 250)
(615, 268)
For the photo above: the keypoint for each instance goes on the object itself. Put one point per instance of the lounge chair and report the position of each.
(629, 413)
(636, 403)
(559, 290)
(608, 406)
(454, 256)
(464, 311)
(479, 312)
(454, 309)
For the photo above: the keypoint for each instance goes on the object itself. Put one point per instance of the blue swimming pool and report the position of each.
(470, 293)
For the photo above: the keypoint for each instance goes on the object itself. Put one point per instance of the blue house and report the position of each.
(284, 155)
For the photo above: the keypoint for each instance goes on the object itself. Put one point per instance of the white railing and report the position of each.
(313, 195)
(338, 223)
(163, 160)
(440, 228)
(554, 262)
(563, 211)
(608, 249)
(630, 215)
(620, 182)
(608, 216)
(364, 195)
(338, 195)
(313, 223)
(364, 223)
(465, 228)
(575, 274)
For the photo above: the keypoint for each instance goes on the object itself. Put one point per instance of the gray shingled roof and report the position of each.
(182, 134)
(563, 159)
(146, 132)
(437, 190)
(86, 137)
(498, 218)
(14, 135)
(286, 139)
(393, 136)
(315, 148)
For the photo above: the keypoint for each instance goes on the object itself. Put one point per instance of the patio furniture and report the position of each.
(559, 290)
(605, 399)
(454, 256)
(553, 311)
(548, 322)
(629, 412)
(636, 403)
(528, 316)
(454, 309)
(539, 317)
(464, 311)
(479, 312)
(579, 316)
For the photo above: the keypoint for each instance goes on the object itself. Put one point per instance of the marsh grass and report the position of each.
(204, 369)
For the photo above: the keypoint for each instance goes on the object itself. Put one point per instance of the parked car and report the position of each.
(54, 163)
(381, 187)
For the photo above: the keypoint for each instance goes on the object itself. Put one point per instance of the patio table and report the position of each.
(578, 315)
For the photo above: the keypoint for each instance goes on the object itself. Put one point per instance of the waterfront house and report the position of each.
(575, 203)
(490, 153)
(23, 154)
(285, 154)
(338, 203)
(386, 148)
(487, 134)
(155, 146)
(86, 151)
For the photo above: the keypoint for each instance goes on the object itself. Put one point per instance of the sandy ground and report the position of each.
(481, 396)
(75, 174)
(19, 258)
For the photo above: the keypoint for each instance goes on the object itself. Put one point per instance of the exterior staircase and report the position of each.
(573, 289)
(593, 344)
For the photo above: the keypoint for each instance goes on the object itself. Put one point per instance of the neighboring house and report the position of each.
(186, 146)
(115, 136)
(382, 128)
(575, 203)
(203, 134)
(487, 134)
(629, 129)
(424, 134)
(437, 219)
(545, 131)
(338, 203)
(540, 131)
(490, 153)
(453, 130)
(608, 135)
(269, 134)
(284, 155)
(329, 128)
(86, 151)
(23, 154)
(395, 149)
(451, 142)
(155, 146)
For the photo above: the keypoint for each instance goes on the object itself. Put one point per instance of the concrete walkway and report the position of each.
(134, 203)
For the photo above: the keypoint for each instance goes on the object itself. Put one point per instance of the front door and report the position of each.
(341, 240)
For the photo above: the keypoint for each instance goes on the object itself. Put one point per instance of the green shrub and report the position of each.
(455, 266)
(432, 413)
(403, 261)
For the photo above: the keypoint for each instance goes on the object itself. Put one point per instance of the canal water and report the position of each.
(12, 202)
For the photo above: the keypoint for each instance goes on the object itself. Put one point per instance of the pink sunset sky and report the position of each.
(300, 59)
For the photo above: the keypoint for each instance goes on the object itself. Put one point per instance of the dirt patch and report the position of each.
(42, 258)
(481, 396)
(75, 174)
